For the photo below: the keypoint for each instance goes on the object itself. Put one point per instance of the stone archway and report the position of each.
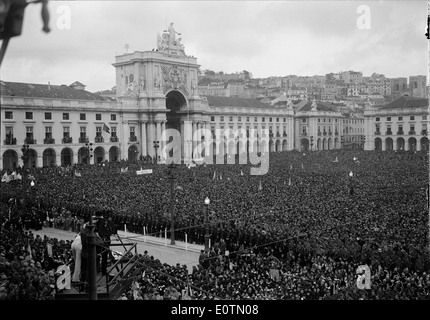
(329, 144)
(32, 159)
(284, 145)
(83, 156)
(278, 145)
(132, 153)
(113, 154)
(324, 144)
(99, 154)
(66, 157)
(424, 144)
(10, 159)
(412, 144)
(304, 144)
(400, 144)
(388, 144)
(175, 102)
(378, 144)
(336, 143)
(319, 144)
(271, 146)
(49, 158)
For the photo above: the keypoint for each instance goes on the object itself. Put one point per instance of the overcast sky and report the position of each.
(267, 38)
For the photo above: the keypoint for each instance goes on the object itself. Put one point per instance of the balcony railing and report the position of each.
(377, 133)
(133, 138)
(423, 132)
(388, 133)
(49, 141)
(84, 140)
(29, 141)
(278, 134)
(113, 139)
(67, 140)
(304, 134)
(411, 132)
(285, 134)
(336, 133)
(319, 133)
(330, 133)
(399, 133)
(10, 141)
(324, 133)
(99, 139)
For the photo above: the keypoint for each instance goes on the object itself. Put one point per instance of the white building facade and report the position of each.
(399, 125)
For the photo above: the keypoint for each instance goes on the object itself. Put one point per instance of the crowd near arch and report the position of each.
(298, 232)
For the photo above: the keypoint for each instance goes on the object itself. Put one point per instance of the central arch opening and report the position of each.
(175, 101)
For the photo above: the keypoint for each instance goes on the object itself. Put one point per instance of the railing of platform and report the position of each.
(127, 257)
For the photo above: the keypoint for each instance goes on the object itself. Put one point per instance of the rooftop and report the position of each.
(215, 101)
(33, 90)
(405, 102)
(320, 106)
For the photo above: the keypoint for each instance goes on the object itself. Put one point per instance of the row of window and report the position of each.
(400, 128)
(239, 119)
(66, 132)
(353, 130)
(349, 121)
(66, 116)
(412, 118)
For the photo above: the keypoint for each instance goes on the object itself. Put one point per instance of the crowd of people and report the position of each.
(27, 266)
(298, 232)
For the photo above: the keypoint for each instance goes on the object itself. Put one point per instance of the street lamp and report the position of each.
(25, 151)
(92, 261)
(207, 202)
(90, 149)
(351, 187)
(156, 146)
(171, 177)
(312, 143)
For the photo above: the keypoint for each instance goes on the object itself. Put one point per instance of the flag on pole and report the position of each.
(106, 128)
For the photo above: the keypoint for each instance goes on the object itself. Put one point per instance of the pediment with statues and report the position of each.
(168, 42)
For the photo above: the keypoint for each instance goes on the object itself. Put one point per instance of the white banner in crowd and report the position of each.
(141, 171)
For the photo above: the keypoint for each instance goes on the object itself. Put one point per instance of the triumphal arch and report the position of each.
(157, 90)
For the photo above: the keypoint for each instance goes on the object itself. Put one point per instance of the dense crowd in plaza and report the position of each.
(298, 232)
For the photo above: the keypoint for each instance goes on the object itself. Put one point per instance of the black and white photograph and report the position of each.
(232, 154)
